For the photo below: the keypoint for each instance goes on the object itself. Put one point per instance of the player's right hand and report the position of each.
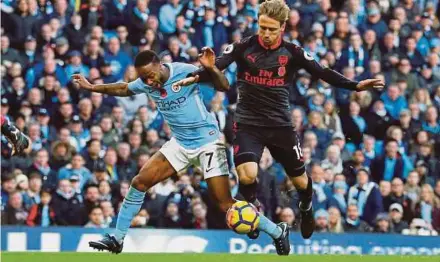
(187, 81)
(81, 81)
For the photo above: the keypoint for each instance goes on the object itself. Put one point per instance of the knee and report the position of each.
(224, 206)
(247, 173)
(136, 181)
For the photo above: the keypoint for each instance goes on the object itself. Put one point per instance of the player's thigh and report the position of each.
(157, 169)
(248, 148)
(287, 150)
(175, 154)
(220, 193)
(212, 160)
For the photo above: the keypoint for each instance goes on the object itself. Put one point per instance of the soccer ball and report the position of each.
(242, 217)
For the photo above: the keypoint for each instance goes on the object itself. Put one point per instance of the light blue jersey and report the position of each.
(191, 124)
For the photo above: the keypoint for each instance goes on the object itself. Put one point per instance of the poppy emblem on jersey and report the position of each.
(163, 93)
(282, 59)
(176, 89)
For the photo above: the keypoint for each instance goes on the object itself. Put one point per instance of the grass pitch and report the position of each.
(106, 257)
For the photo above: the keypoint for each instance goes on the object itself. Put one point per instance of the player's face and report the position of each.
(269, 30)
(150, 74)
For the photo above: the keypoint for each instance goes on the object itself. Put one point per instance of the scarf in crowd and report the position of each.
(359, 195)
(426, 211)
(120, 6)
(141, 15)
(319, 191)
(352, 57)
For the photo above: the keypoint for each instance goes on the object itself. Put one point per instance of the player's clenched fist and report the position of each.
(81, 81)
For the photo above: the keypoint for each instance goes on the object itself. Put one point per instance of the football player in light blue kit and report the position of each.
(195, 139)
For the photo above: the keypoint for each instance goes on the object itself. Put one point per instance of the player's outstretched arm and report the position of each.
(207, 59)
(335, 78)
(114, 89)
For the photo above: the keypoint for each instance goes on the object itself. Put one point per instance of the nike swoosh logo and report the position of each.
(207, 170)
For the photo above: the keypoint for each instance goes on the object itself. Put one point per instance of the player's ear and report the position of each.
(283, 27)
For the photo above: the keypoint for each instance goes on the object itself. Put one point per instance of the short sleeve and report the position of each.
(138, 87)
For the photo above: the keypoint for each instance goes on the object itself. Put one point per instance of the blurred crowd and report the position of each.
(374, 156)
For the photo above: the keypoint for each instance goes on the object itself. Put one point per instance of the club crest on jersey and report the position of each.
(176, 89)
(283, 59)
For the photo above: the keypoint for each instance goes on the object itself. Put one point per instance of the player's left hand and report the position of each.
(207, 58)
(186, 81)
(370, 83)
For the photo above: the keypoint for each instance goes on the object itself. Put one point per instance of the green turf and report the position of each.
(104, 257)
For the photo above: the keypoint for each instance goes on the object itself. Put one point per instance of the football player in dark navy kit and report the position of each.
(266, 67)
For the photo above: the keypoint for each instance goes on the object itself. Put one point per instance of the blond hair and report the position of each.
(275, 9)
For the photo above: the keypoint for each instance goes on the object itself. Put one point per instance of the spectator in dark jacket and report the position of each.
(172, 218)
(14, 213)
(42, 214)
(137, 21)
(378, 120)
(91, 198)
(388, 166)
(353, 223)
(93, 14)
(374, 22)
(76, 33)
(9, 54)
(68, 205)
(416, 59)
(396, 215)
(42, 167)
(126, 166)
(117, 11)
(398, 195)
(367, 196)
(29, 56)
(210, 32)
(354, 125)
(19, 24)
(62, 11)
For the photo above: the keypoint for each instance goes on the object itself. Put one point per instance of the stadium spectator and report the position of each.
(321, 220)
(335, 221)
(32, 194)
(398, 195)
(287, 215)
(67, 205)
(108, 213)
(353, 222)
(367, 197)
(396, 215)
(14, 212)
(42, 214)
(76, 168)
(382, 223)
(96, 219)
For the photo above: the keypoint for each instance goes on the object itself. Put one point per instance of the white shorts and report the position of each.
(211, 158)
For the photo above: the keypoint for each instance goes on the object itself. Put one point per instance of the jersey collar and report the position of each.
(170, 67)
(274, 46)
